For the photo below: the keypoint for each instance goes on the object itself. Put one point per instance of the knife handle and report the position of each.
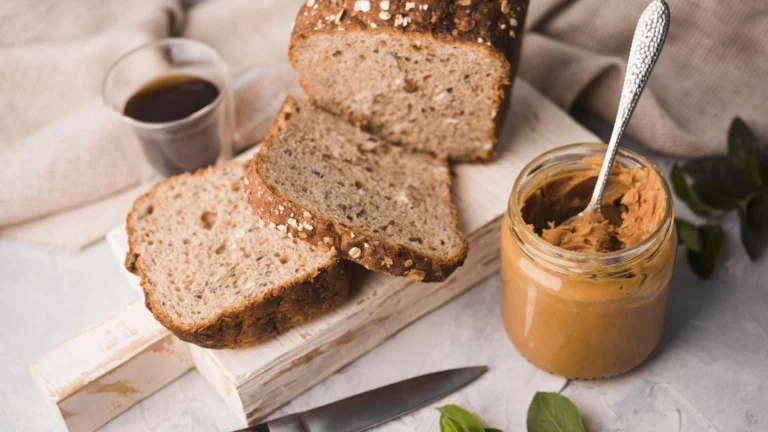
(262, 427)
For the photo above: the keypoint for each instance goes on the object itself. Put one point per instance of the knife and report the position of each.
(374, 407)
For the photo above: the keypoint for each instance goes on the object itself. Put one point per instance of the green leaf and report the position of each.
(493, 430)
(464, 420)
(721, 170)
(754, 225)
(703, 262)
(688, 234)
(448, 425)
(716, 196)
(742, 143)
(552, 412)
(686, 192)
(752, 172)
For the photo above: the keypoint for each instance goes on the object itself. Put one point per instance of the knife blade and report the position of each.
(374, 407)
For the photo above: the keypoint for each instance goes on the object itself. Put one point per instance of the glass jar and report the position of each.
(576, 314)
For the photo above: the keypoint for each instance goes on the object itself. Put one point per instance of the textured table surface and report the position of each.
(709, 374)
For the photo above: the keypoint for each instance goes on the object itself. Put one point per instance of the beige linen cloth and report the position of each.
(713, 67)
(69, 172)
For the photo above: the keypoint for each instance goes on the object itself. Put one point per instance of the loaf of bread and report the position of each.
(322, 180)
(428, 74)
(214, 274)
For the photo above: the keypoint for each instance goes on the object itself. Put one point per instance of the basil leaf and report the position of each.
(754, 225)
(552, 412)
(752, 172)
(448, 425)
(742, 143)
(688, 234)
(716, 195)
(703, 262)
(685, 192)
(721, 170)
(493, 430)
(464, 420)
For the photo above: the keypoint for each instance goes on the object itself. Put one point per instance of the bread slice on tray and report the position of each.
(324, 181)
(428, 74)
(214, 274)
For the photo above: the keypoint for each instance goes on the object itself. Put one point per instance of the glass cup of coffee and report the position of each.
(176, 96)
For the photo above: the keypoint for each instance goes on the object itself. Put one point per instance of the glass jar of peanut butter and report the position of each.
(587, 300)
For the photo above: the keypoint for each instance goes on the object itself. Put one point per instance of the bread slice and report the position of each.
(324, 181)
(214, 274)
(428, 74)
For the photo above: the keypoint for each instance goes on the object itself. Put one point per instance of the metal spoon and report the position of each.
(650, 34)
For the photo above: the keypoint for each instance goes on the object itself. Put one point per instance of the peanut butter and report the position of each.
(633, 206)
(595, 305)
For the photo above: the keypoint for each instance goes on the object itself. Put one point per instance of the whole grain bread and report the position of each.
(214, 274)
(324, 181)
(428, 74)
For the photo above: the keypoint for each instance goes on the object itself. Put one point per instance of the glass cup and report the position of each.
(188, 143)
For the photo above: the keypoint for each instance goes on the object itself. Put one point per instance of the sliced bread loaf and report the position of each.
(214, 274)
(428, 74)
(322, 180)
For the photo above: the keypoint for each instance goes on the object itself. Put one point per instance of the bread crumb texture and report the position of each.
(430, 75)
(378, 204)
(215, 274)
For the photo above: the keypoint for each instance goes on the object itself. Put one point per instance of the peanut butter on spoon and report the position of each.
(632, 209)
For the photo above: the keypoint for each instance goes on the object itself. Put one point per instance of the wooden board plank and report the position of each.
(257, 380)
(105, 370)
(266, 389)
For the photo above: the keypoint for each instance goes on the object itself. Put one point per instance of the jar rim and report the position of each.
(615, 257)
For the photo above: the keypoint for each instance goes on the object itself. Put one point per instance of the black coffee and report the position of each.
(170, 98)
(187, 144)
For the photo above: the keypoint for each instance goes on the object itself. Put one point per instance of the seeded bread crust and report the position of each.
(263, 317)
(371, 251)
(496, 25)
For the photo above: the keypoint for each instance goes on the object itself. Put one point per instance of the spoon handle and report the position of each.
(650, 34)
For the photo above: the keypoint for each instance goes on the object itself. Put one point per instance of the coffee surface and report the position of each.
(170, 98)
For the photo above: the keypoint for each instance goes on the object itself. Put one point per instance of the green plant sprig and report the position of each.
(715, 186)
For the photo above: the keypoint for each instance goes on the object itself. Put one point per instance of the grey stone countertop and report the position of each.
(709, 373)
